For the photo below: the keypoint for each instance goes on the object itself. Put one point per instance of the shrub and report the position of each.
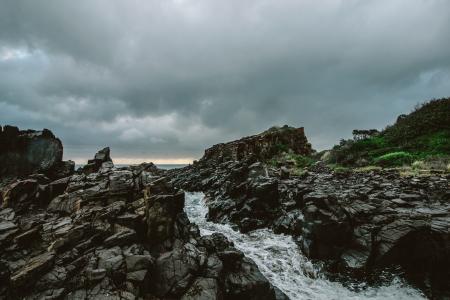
(291, 160)
(280, 148)
(418, 165)
(302, 161)
(368, 169)
(394, 159)
(373, 142)
(351, 152)
(341, 170)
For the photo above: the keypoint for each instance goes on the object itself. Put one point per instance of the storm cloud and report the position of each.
(166, 79)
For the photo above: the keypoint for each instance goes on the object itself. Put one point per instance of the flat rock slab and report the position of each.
(34, 269)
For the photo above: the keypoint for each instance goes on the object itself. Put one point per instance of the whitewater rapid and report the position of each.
(279, 259)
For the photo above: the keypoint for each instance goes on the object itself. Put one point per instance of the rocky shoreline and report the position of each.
(105, 232)
(358, 223)
(114, 233)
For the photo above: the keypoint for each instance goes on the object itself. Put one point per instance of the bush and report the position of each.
(291, 160)
(280, 148)
(371, 143)
(341, 170)
(394, 159)
(436, 143)
(368, 169)
(419, 165)
(302, 161)
(351, 152)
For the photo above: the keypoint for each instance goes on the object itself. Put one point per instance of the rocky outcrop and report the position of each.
(122, 233)
(100, 158)
(23, 152)
(163, 206)
(116, 233)
(261, 146)
(356, 222)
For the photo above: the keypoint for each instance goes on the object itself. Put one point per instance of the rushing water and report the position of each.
(279, 259)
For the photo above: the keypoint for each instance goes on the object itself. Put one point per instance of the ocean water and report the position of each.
(281, 262)
(170, 166)
(161, 166)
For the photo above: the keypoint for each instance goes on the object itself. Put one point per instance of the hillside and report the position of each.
(422, 135)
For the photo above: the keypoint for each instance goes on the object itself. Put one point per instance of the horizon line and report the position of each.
(139, 160)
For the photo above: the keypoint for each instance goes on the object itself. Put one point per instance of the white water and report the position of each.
(279, 259)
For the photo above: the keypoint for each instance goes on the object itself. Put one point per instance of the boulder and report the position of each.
(23, 152)
(203, 289)
(161, 213)
(421, 249)
(62, 169)
(326, 228)
(121, 183)
(94, 165)
(174, 271)
(20, 195)
(66, 203)
(245, 281)
(37, 266)
(111, 259)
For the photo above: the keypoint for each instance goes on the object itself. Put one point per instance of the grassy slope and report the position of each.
(424, 134)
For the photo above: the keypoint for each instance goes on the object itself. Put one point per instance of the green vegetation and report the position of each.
(280, 148)
(368, 169)
(339, 169)
(422, 136)
(295, 162)
(434, 144)
(291, 159)
(430, 117)
(302, 161)
(394, 159)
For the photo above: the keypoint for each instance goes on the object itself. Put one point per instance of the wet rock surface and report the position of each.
(122, 233)
(357, 222)
(114, 233)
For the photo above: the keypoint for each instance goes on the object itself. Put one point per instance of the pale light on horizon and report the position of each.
(136, 161)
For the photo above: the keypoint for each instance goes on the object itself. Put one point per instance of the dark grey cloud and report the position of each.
(165, 79)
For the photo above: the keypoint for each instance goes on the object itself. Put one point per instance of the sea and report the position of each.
(160, 166)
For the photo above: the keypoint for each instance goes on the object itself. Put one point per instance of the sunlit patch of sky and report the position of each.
(13, 53)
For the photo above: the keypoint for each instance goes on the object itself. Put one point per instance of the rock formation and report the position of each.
(122, 233)
(94, 165)
(358, 223)
(23, 152)
(261, 146)
(115, 233)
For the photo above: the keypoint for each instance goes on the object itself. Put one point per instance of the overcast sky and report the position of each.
(163, 80)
